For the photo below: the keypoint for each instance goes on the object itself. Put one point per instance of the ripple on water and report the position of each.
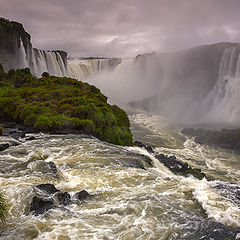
(127, 202)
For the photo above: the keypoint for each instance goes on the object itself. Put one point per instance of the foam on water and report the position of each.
(127, 202)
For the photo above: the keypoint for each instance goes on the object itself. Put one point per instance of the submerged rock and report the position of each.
(82, 195)
(132, 163)
(49, 188)
(47, 168)
(4, 146)
(179, 167)
(16, 134)
(63, 198)
(40, 206)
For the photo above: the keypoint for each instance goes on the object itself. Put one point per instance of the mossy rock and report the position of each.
(57, 104)
(1, 130)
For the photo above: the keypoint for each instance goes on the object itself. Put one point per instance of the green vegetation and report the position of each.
(2, 208)
(53, 104)
(1, 130)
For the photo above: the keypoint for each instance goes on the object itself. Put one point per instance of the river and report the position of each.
(127, 202)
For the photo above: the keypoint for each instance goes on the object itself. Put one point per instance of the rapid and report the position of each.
(127, 202)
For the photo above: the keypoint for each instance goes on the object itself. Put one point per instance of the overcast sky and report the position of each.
(124, 28)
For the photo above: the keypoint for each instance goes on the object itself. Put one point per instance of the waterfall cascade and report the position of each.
(198, 85)
(52, 62)
(83, 68)
(225, 97)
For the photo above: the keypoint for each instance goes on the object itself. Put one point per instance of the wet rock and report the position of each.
(210, 230)
(226, 138)
(16, 134)
(47, 168)
(141, 145)
(63, 198)
(82, 195)
(147, 160)
(179, 167)
(30, 138)
(49, 188)
(4, 146)
(40, 206)
(133, 163)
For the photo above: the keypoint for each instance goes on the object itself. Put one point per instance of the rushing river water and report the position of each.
(127, 202)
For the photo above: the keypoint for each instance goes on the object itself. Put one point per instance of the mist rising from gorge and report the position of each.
(200, 85)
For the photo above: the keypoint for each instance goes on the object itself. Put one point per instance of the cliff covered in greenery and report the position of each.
(59, 105)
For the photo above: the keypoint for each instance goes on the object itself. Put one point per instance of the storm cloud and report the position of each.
(124, 28)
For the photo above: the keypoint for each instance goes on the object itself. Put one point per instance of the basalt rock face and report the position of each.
(16, 52)
(15, 45)
(226, 138)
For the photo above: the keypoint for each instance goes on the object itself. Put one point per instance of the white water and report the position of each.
(127, 203)
(225, 96)
(48, 61)
(82, 69)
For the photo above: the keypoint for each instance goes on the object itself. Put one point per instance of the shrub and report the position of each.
(45, 75)
(2, 208)
(53, 103)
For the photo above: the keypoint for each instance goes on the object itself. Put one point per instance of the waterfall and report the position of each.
(48, 61)
(84, 68)
(225, 97)
(22, 56)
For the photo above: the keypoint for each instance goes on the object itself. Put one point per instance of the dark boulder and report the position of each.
(141, 145)
(16, 134)
(40, 206)
(49, 188)
(46, 167)
(179, 167)
(63, 198)
(82, 195)
(4, 146)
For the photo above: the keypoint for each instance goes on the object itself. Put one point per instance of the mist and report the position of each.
(200, 85)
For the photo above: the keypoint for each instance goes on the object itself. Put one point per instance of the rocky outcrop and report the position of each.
(82, 195)
(4, 146)
(179, 167)
(141, 145)
(16, 52)
(39, 206)
(50, 197)
(226, 138)
(172, 163)
(15, 45)
(75, 107)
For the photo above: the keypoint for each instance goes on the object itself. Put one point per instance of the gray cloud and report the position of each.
(124, 28)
